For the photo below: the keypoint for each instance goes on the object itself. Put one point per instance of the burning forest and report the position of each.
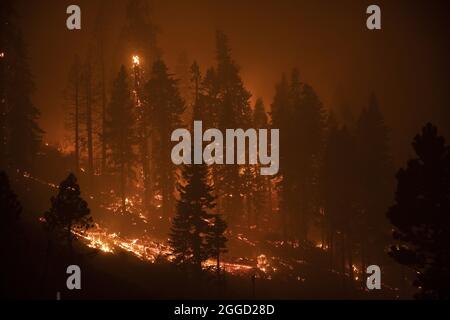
(164, 173)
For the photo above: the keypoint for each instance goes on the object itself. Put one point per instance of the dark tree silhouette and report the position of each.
(260, 185)
(10, 207)
(100, 52)
(20, 135)
(191, 223)
(421, 217)
(73, 96)
(375, 182)
(299, 114)
(89, 96)
(233, 111)
(68, 211)
(280, 113)
(163, 99)
(120, 133)
(339, 203)
(216, 240)
(10, 211)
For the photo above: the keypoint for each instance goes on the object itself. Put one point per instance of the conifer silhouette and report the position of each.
(421, 217)
(68, 210)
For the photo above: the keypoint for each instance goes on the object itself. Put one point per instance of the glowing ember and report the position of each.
(136, 60)
(262, 263)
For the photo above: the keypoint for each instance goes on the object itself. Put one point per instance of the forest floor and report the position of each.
(36, 269)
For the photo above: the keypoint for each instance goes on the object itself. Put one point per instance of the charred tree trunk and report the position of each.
(343, 250)
(89, 126)
(350, 262)
(103, 88)
(77, 125)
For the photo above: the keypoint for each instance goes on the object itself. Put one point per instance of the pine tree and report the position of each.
(119, 131)
(216, 240)
(89, 95)
(100, 49)
(73, 96)
(375, 185)
(420, 215)
(20, 134)
(280, 113)
(68, 211)
(166, 106)
(299, 114)
(308, 131)
(196, 79)
(233, 111)
(262, 188)
(179, 237)
(183, 75)
(209, 99)
(191, 224)
(339, 202)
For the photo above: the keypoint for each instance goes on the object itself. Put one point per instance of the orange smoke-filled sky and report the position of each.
(405, 64)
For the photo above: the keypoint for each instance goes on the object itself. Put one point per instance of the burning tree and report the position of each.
(73, 95)
(68, 211)
(166, 106)
(119, 131)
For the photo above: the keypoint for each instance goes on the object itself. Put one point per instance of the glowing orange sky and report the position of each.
(406, 63)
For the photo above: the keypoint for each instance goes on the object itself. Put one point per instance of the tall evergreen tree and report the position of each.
(191, 224)
(216, 240)
(183, 75)
(262, 187)
(89, 95)
(375, 174)
(20, 135)
(308, 130)
(68, 210)
(339, 203)
(233, 111)
(420, 215)
(100, 53)
(280, 113)
(119, 131)
(299, 114)
(166, 106)
(73, 96)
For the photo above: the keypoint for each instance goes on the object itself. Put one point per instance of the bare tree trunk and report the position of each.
(77, 126)
(89, 118)
(343, 260)
(122, 185)
(350, 261)
(218, 264)
(103, 168)
(144, 139)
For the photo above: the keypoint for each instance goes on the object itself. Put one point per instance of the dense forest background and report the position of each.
(86, 119)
